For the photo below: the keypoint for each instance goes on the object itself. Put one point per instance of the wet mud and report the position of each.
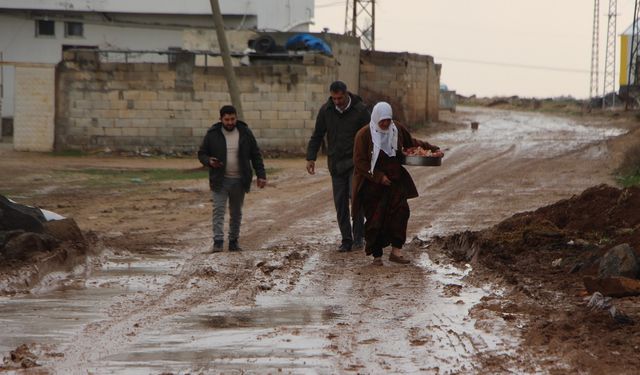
(154, 300)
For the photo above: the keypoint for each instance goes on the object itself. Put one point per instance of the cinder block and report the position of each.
(145, 95)
(130, 132)
(140, 105)
(123, 123)
(268, 115)
(176, 105)
(140, 122)
(251, 115)
(182, 132)
(159, 104)
(193, 105)
(112, 132)
(148, 132)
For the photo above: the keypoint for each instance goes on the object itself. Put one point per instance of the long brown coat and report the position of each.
(362, 153)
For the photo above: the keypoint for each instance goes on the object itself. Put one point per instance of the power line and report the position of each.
(328, 5)
(516, 65)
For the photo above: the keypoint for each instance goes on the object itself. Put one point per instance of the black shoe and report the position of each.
(357, 245)
(345, 247)
(217, 246)
(233, 246)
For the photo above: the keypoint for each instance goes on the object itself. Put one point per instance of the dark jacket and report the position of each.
(214, 145)
(341, 129)
(362, 154)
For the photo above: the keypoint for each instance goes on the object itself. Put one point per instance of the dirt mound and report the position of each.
(545, 255)
(575, 230)
(32, 247)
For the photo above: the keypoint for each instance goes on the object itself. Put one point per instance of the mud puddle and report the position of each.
(59, 309)
(264, 338)
(532, 134)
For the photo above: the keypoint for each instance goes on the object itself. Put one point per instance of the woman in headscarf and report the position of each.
(381, 185)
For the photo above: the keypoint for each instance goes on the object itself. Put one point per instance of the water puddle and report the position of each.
(535, 135)
(275, 335)
(454, 337)
(51, 316)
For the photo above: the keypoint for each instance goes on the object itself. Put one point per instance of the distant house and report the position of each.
(36, 32)
(625, 58)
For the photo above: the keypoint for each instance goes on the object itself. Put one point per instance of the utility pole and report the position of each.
(360, 21)
(593, 91)
(234, 91)
(610, 57)
(632, 80)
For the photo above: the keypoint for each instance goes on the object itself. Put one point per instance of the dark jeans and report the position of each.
(233, 193)
(341, 196)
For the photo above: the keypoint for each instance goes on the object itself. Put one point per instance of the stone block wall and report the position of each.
(34, 108)
(170, 107)
(409, 82)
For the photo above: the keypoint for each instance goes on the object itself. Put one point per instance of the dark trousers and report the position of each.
(341, 197)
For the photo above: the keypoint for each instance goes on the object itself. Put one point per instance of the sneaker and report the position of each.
(377, 262)
(217, 246)
(345, 247)
(233, 246)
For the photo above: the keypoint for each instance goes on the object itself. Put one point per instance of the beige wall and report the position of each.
(34, 108)
(409, 82)
(170, 107)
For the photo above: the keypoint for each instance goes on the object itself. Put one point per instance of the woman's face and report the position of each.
(384, 124)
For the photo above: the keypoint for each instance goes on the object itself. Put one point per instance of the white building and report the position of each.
(33, 33)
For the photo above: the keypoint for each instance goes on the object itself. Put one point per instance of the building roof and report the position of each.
(194, 7)
(629, 30)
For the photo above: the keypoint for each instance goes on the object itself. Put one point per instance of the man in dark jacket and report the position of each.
(340, 118)
(230, 151)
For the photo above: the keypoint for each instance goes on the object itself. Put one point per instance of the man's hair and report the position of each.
(338, 86)
(227, 110)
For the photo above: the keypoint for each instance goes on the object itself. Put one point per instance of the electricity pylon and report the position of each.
(593, 91)
(360, 21)
(610, 57)
(633, 56)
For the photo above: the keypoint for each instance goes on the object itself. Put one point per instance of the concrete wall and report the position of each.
(34, 108)
(409, 82)
(170, 107)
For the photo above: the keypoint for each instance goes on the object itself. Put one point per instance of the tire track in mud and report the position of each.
(217, 281)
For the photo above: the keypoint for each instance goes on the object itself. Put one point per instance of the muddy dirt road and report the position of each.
(153, 300)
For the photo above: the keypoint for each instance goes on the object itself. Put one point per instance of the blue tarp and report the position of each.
(307, 41)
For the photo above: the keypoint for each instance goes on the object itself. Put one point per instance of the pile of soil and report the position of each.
(32, 247)
(573, 232)
(542, 257)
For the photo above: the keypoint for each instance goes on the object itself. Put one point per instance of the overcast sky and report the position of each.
(538, 48)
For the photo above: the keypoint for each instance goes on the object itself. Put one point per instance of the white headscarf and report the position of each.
(385, 140)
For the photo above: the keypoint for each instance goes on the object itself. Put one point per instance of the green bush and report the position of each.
(629, 170)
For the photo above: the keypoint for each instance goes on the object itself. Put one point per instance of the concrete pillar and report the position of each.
(33, 128)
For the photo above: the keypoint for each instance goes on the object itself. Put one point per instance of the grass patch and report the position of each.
(160, 174)
(630, 180)
(143, 175)
(96, 177)
(73, 153)
(629, 170)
